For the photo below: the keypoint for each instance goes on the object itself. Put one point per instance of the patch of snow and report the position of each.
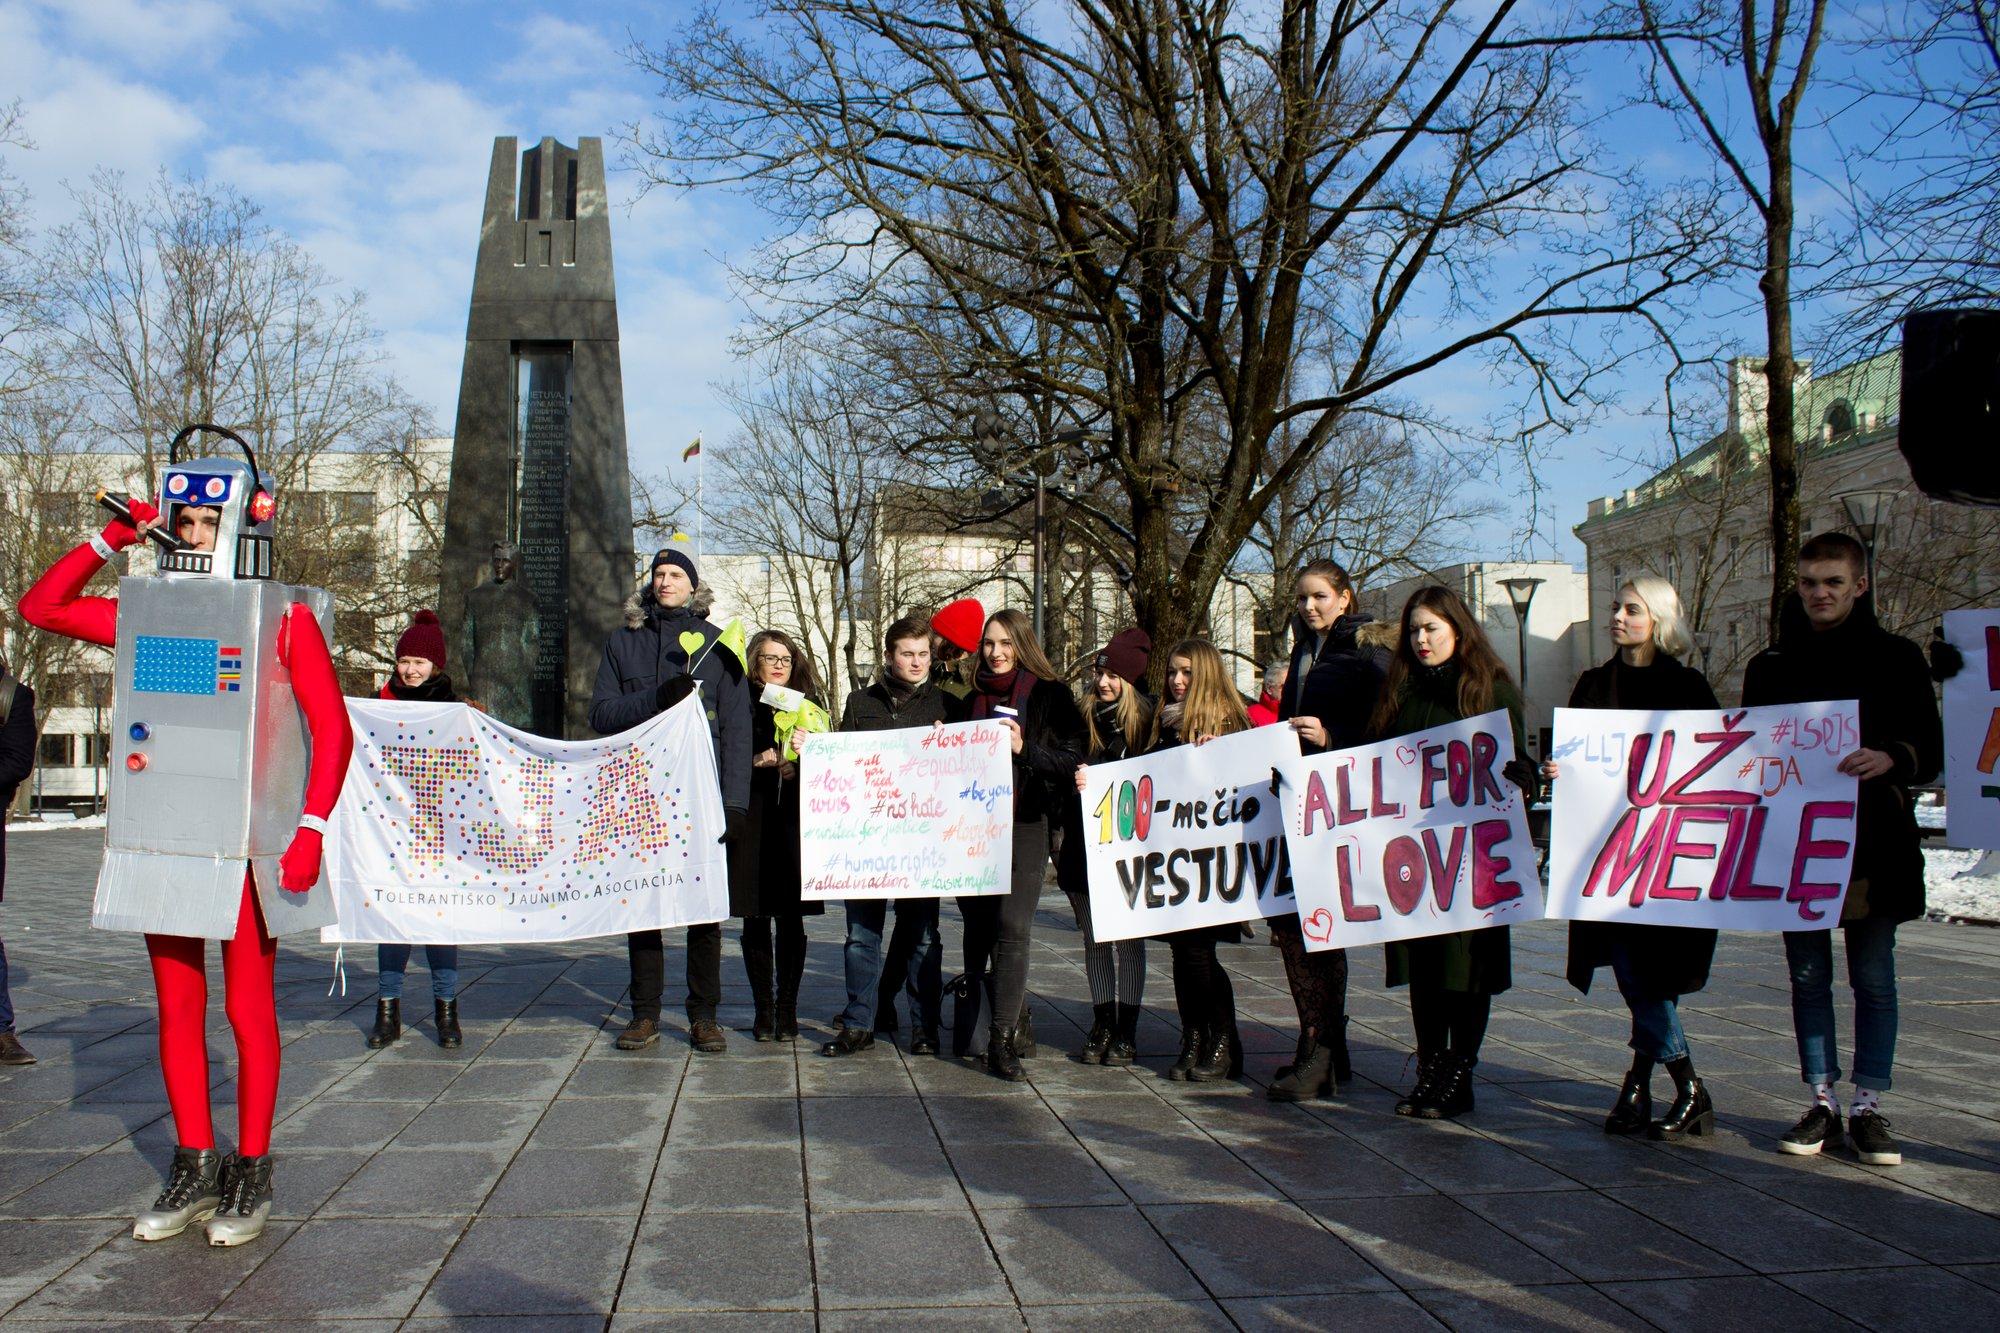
(54, 821)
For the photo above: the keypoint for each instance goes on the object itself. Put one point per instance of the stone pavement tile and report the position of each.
(34, 1253)
(521, 1042)
(361, 1126)
(13, 1110)
(395, 1081)
(995, 1318)
(506, 1081)
(1242, 1250)
(77, 1130)
(1389, 1312)
(1454, 1158)
(1986, 1275)
(1017, 1175)
(859, 1121)
(1145, 1317)
(513, 1266)
(724, 1122)
(302, 1182)
(1433, 1241)
(719, 1261)
(341, 1045)
(730, 1321)
(961, 1119)
(179, 1279)
(650, 1073)
(1174, 1167)
(871, 1259)
(877, 1072)
(418, 1182)
(945, 1076)
(346, 1268)
(573, 1182)
(1764, 1234)
(21, 1170)
(112, 1183)
(1587, 1155)
(1317, 1163)
(1724, 1304)
(1597, 1239)
(1919, 1299)
(140, 1084)
(1573, 1306)
(489, 1126)
(695, 1180)
(602, 1122)
(1066, 1256)
(1934, 1230)
(882, 1176)
(747, 1070)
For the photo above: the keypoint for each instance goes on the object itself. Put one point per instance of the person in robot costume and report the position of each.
(207, 648)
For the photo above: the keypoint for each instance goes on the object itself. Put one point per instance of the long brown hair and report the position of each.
(802, 671)
(1479, 667)
(1133, 709)
(1212, 706)
(1335, 574)
(1028, 652)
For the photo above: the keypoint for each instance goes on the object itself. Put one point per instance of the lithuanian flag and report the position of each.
(692, 451)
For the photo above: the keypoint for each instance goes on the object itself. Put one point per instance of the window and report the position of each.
(53, 752)
(96, 749)
(1839, 419)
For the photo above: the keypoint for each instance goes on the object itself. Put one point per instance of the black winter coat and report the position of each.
(1338, 679)
(1858, 659)
(17, 760)
(639, 658)
(1670, 960)
(875, 709)
(1052, 743)
(764, 865)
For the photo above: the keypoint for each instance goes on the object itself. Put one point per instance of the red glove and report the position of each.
(118, 534)
(298, 868)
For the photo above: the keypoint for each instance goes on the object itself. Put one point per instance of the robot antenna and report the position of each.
(174, 449)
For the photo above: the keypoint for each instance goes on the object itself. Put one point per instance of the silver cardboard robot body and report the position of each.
(198, 692)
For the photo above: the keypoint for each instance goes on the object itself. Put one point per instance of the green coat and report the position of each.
(1477, 962)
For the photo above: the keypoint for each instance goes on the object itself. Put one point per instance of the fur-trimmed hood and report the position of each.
(641, 603)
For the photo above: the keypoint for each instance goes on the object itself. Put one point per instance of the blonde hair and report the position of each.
(1134, 713)
(1212, 707)
(1663, 604)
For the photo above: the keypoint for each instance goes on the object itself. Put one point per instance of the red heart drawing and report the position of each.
(1318, 925)
(1405, 755)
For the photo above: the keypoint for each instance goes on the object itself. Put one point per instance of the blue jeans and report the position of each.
(392, 960)
(1871, 972)
(1656, 1022)
(6, 1004)
(862, 957)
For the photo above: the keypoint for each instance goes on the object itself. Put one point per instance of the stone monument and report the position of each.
(538, 457)
(500, 641)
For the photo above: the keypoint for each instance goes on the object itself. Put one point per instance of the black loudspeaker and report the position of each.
(1950, 428)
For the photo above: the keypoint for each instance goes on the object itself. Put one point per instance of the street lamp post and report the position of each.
(1868, 514)
(1521, 591)
(988, 431)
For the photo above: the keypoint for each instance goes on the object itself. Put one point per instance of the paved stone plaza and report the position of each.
(538, 1173)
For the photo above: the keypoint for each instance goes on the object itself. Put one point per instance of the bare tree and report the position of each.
(1200, 196)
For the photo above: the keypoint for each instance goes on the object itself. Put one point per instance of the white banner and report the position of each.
(1191, 836)
(924, 812)
(453, 828)
(1972, 731)
(1737, 819)
(1420, 835)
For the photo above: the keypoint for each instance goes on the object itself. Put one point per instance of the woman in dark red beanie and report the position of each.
(1117, 718)
(418, 678)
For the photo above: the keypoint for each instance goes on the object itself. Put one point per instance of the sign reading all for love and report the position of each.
(1972, 731)
(1191, 836)
(1420, 835)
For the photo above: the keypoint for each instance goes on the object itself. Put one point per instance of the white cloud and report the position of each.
(155, 33)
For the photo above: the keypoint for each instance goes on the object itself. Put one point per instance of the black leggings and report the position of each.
(997, 926)
(790, 957)
(1448, 1020)
(1202, 992)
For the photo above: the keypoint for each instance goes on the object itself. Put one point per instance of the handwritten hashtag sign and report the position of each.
(918, 813)
(1972, 731)
(1736, 819)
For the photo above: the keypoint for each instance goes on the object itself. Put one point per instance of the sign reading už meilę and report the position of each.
(1419, 835)
(1188, 836)
(454, 828)
(1736, 819)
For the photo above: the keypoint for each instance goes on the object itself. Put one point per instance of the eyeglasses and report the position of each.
(775, 659)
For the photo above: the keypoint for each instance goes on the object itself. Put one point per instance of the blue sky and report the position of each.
(365, 128)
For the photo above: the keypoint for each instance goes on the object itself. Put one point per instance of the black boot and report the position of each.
(1300, 1054)
(1099, 1039)
(764, 1024)
(1310, 1077)
(1343, 1067)
(1634, 1108)
(1692, 1111)
(1124, 1047)
(445, 1017)
(785, 1023)
(1427, 1069)
(1023, 1035)
(388, 1024)
(1450, 1093)
(1001, 1062)
(1191, 1049)
(1221, 1057)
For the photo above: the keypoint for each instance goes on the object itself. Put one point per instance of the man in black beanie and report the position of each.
(647, 670)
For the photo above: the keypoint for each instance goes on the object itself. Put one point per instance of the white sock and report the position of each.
(1824, 1095)
(1867, 1101)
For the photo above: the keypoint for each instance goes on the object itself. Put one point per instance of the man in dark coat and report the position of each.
(903, 695)
(664, 653)
(1830, 647)
(17, 758)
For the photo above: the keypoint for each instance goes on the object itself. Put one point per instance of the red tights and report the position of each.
(180, 975)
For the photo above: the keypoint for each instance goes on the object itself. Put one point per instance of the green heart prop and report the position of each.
(691, 642)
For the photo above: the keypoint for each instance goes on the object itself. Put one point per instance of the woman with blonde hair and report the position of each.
(1653, 965)
(1201, 704)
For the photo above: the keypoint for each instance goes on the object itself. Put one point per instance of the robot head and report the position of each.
(220, 509)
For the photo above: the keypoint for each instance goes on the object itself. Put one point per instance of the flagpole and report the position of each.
(700, 519)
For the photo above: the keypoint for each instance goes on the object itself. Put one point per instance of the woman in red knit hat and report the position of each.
(419, 678)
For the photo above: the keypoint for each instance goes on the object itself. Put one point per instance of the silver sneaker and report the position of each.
(246, 1201)
(193, 1193)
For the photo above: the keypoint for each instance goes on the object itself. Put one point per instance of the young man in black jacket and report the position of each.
(903, 695)
(647, 669)
(17, 758)
(1830, 647)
